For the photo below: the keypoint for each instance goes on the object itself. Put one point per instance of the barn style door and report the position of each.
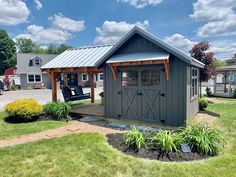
(141, 93)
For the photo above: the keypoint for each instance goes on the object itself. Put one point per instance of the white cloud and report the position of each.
(13, 12)
(39, 34)
(64, 23)
(180, 42)
(112, 31)
(219, 17)
(38, 4)
(141, 3)
(223, 49)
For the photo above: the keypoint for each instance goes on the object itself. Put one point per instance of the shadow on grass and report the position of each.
(18, 120)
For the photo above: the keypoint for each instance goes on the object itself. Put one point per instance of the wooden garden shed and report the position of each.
(145, 78)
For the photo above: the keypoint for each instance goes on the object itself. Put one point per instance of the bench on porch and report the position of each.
(74, 94)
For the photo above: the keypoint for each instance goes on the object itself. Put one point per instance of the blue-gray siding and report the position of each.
(24, 83)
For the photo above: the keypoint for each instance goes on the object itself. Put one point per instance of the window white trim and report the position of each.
(99, 76)
(194, 76)
(82, 77)
(34, 78)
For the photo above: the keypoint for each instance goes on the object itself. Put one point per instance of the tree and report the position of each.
(62, 48)
(201, 52)
(52, 49)
(7, 52)
(25, 45)
(39, 50)
(220, 63)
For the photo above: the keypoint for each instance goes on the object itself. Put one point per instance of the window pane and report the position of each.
(101, 76)
(150, 78)
(37, 78)
(84, 77)
(130, 78)
(36, 62)
(30, 78)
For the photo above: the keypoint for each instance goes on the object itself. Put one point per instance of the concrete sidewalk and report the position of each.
(42, 96)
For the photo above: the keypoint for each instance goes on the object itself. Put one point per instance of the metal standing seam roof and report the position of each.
(159, 55)
(227, 68)
(81, 57)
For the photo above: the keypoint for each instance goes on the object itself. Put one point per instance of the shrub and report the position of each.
(57, 110)
(234, 93)
(204, 140)
(209, 92)
(134, 139)
(25, 109)
(167, 142)
(203, 103)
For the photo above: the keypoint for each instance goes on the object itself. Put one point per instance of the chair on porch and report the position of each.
(74, 94)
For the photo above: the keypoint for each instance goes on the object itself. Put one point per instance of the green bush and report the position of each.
(234, 93)
(24, 109)
(203, 103)
(134, 139)
(209, 92)
(167, 142)
(204, 140)
(57, 110)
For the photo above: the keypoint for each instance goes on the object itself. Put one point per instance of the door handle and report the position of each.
(119, 92)
(163, 94)
(140, 93)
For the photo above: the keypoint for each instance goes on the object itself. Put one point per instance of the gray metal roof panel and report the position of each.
(169, 48)
(139, 57)
(81, 57)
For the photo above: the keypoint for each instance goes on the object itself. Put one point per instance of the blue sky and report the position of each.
(79, 22)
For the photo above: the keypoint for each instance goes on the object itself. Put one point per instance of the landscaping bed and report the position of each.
(116, 140)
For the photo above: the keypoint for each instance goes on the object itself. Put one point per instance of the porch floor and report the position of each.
(89, 109)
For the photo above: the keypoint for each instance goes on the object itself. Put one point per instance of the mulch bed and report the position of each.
(116, 140)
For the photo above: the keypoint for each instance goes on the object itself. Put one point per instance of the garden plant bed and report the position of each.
(116, 140)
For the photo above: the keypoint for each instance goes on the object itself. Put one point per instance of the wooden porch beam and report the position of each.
(167, 69)
(91, 79)
(74, 70)
(53, 76)
(149, 62)
(114, 71)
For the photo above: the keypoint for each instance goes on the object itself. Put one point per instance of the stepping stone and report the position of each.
(144, 128)
(90, 119)
(121, 125)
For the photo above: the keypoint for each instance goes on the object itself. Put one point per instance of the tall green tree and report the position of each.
(52, 49)
(220, 63)
(25, 45)
(201, 52)
(7, 52)
(62, 48)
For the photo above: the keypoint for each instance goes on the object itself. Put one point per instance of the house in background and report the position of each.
(145, 78)
(225, 79)
(28, 68)
(11, 77)
(31, 75)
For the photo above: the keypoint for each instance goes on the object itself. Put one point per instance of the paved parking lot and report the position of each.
(42, 96)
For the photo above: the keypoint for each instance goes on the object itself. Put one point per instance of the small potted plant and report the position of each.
(102, 97)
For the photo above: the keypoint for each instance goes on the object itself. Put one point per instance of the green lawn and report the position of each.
(8, 130)
(89, 155)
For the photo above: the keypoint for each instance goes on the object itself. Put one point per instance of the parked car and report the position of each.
(1, 87)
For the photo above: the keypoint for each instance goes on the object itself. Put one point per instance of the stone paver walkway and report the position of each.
(74, 127)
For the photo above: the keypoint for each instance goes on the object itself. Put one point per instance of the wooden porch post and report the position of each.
(54, 85)
(91, 79)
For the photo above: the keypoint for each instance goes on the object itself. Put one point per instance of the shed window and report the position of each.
(150, 78)
(194, 83)
(129, 78)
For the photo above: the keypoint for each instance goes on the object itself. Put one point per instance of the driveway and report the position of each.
(42, 96)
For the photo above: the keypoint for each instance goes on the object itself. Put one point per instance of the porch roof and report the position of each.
(133, 57)
(226, 68)
(78, 58)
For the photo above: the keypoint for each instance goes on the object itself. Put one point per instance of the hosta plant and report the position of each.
(167, 141)
(134, 139)
(58, 110)
(204, 140)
